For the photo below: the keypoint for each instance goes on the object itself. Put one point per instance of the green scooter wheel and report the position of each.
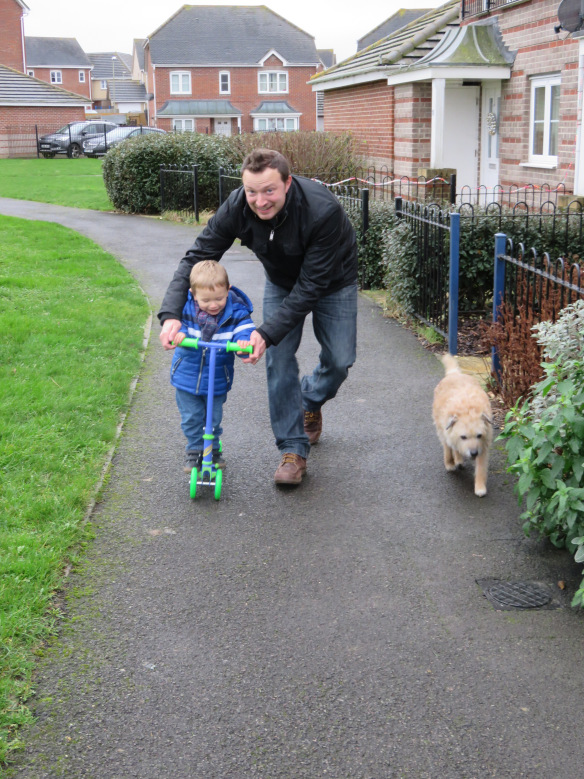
(218, 483)
(194, 477)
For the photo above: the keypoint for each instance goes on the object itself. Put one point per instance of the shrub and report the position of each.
(131, 171)
(544, 438)
(400, 263)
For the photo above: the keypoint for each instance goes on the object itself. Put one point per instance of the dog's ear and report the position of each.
(487, 419)
(451, 422)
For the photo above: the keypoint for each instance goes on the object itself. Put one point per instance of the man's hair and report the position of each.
(260, 159)
(208, 274)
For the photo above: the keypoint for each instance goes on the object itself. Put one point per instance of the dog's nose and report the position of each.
(473, 453)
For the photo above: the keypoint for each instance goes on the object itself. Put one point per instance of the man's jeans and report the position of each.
(193, 415)
(334, 322)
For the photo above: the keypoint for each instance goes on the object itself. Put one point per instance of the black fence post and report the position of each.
(453, 189)
(221, 171)
(196, 191)
(365, 209)
(398, 207)
(36, 132)
(162, 189)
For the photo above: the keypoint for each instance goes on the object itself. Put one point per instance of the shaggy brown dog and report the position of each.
(462, 415)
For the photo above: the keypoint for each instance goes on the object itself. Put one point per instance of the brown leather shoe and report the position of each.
(291, 469)
(313, 425)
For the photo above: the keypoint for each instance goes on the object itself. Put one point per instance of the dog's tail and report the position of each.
(450, 363)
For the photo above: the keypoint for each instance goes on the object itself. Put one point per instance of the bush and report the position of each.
(131, 171)
(544, 438)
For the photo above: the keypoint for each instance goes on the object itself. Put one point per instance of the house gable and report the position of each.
(12, 34)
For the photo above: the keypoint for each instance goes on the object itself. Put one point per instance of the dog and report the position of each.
(463, 419)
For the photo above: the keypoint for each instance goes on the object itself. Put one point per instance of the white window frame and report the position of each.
(182, 125)
(546, 159)
(56, 77)
(222, 74)
(30, 73)
(82, 77)
(183, 85)
(266, 76)
(263, 124)
(103, 84)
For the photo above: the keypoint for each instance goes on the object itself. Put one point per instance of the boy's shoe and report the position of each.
(313, 425)
(218, 460)
(193, 459)
(291, 469)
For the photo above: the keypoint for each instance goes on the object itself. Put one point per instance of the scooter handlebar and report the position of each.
(229, 346)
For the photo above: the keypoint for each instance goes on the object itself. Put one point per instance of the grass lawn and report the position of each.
(60, 181)
(71, 320)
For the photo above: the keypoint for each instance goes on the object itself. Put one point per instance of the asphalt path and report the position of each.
(331, 630)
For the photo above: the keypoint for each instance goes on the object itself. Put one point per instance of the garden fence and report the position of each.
(179, 190)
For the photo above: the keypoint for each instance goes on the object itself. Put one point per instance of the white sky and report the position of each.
(112, 25)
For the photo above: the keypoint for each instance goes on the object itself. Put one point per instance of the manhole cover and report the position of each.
(516, 595)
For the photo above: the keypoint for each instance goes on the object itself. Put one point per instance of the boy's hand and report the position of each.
(243, 344)
(179, 338)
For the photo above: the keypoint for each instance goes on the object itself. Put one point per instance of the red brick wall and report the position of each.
(11, 51)
(367, 112)
(244, 91)
(528, 29)
(18, 127)
(70, 78)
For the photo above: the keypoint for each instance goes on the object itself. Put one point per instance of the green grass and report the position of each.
(71, 324)
(60, 181)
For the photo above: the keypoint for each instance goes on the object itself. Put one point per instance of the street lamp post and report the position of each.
(113, 100)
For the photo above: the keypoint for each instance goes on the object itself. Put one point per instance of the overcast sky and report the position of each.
(112, 25)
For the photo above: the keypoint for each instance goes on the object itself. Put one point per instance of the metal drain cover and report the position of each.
(507, 596)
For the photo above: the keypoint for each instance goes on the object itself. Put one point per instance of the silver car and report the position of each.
(97, 147)
(69, 139)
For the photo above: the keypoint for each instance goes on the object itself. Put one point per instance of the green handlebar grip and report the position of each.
(231, 346)
(194, 342)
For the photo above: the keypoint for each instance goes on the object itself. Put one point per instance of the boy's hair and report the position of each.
(208, 274)
(260, 159)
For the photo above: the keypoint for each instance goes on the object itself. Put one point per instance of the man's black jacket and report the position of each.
(309, 248)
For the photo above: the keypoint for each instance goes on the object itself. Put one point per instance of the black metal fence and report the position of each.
(179, 190)
(436, 236)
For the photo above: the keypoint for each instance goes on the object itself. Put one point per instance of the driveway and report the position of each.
(333, 630)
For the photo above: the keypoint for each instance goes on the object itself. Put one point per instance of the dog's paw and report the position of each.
(480, 491)
(451, 467)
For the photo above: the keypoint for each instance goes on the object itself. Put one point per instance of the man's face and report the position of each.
(265, 192)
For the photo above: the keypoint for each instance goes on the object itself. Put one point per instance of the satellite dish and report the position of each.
(571, 15)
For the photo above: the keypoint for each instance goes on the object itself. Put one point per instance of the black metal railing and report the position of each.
(477, 7)
(179, 191)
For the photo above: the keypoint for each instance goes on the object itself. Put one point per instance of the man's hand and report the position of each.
(259, 347)
(169, 329)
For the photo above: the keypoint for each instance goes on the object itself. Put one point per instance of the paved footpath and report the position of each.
(335, 630)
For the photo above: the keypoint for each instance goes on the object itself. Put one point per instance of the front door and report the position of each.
(461, 137)
(222, 126)
(491, 106)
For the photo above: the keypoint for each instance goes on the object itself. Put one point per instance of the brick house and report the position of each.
(59, 61)
(492, 94)
(230, 69)
(27, 102)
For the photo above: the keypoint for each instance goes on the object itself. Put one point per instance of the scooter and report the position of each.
(208, 475)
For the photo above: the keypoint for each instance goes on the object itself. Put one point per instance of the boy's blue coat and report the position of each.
(190, 367)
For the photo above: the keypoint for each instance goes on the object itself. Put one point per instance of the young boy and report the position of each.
(214, 311)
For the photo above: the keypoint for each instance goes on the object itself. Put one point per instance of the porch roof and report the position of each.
(273, 107)
(202, 108)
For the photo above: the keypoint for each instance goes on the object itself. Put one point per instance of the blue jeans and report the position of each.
(193, 413)
(334, 321)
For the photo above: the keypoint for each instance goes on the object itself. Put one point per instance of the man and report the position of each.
(306, 243)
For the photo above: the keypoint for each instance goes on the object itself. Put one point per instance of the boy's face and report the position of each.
(211, 301)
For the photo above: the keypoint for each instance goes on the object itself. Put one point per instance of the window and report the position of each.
(545, 120)
(82, 77)
(272, 81)
(56, 77)
(275, 123)
(103, 84)
(180, 83)
(224, 82)
(30, 73)
(183, 125)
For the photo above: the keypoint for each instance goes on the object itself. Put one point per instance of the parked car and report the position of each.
(97, 147)
(69, 139)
